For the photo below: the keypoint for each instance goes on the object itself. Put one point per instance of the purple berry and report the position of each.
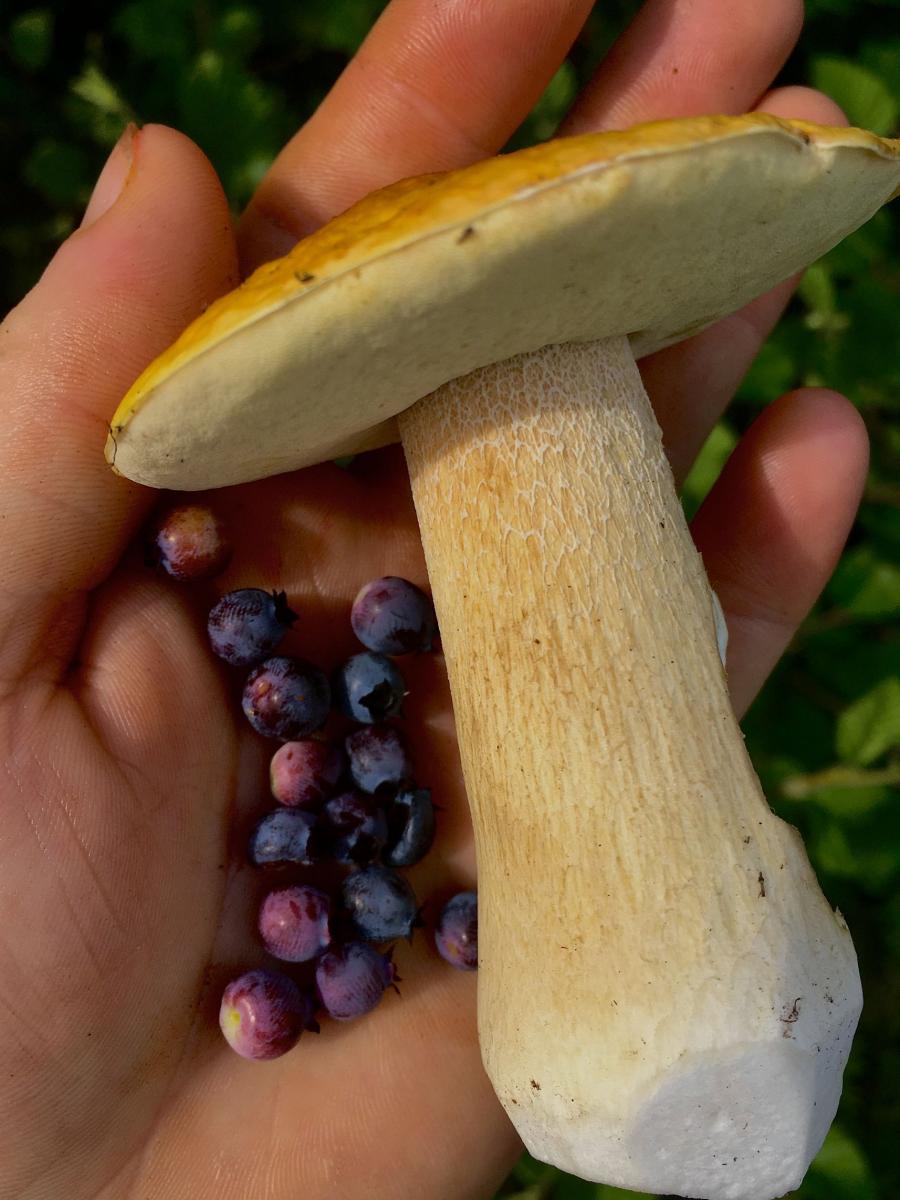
(377, 757)
(263, 1014)
(369, 688)
(380, 904)
(293, 922)
(351, 979)
(189, 542)
(283, 837)
(245, 626)
(303, 773)
(286, 698)
(393, 616)
(353, 828)
(411, 827)
(456, 932)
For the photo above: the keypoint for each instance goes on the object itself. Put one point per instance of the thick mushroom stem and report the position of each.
(666, 999)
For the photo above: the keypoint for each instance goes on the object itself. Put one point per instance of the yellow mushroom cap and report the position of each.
(653, 232)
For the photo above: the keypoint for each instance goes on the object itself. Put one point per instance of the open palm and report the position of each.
(130, 778)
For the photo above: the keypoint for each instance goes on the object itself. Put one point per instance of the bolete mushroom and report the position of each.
(666, 999)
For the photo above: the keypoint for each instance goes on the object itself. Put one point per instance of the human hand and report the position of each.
(125, 910)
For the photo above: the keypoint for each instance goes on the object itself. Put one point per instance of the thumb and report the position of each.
(155, 247)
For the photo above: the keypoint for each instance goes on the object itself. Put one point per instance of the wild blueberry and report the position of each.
(352, 978)
(283, 837)
(456, 931)
(302, 774)
(189, 542)
(245, 626)
(410, 827)
(353, 828)
(368, 687)
(293, 923)
(377, 757)
(380, 904)
(263, 1014)
(286, 698)
(393, 616)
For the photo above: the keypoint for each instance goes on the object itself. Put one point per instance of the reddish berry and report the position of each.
(351, 979)
(380, 904)
(369, 688)
(293, 922)
(378, 758)
(393, 616)
(353, 828)
(246, 626)
(303, 774)
(286, 698)
(263, 1014)
(189, 542)
(456, 932)
(283, 837)
(410, 826)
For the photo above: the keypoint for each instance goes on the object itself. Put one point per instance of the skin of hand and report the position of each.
(129, 778)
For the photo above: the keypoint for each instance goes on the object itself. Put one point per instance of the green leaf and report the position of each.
(818, 292)
(60, 172)
(865, 585)
(864, 850)
(230, 114)
(31, 38)
(567, 1187)
(603, 1191)
(870, 727)
(864, 250)
(238, 31)
(773, 372)
(831, 852)
(863, 95)
(157, 30)
(842, 1166)
(553, 104)
(104, 110)
(705, 470)
(528, 1171)
(337, 25)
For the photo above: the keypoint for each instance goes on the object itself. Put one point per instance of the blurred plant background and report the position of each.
(240, 76)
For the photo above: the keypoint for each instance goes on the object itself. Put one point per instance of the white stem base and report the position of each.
(666, 1000)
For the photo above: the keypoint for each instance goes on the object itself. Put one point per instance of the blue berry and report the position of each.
(283, 837)
(456, 932)
(352, 978)
(245, 626)
(263, 1014)
(411, 827)
(286, 698)
(369, 688)
(377, 757)
(293, 923)
(353, 828)
(380, 904)
(188, 542)
(302, 774)
(393, 616)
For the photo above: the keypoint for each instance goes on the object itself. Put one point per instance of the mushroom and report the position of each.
(666, 999)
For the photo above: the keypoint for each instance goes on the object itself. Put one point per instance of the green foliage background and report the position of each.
(825, 735)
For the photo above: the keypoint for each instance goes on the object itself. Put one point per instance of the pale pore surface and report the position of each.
(666, 1000)
(655, 243)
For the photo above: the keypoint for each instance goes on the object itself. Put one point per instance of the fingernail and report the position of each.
(113, 177)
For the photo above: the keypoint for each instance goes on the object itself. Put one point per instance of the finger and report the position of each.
(692, 383)
(772, 528)
(678, 60)
(433, 86)
(115, 295)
